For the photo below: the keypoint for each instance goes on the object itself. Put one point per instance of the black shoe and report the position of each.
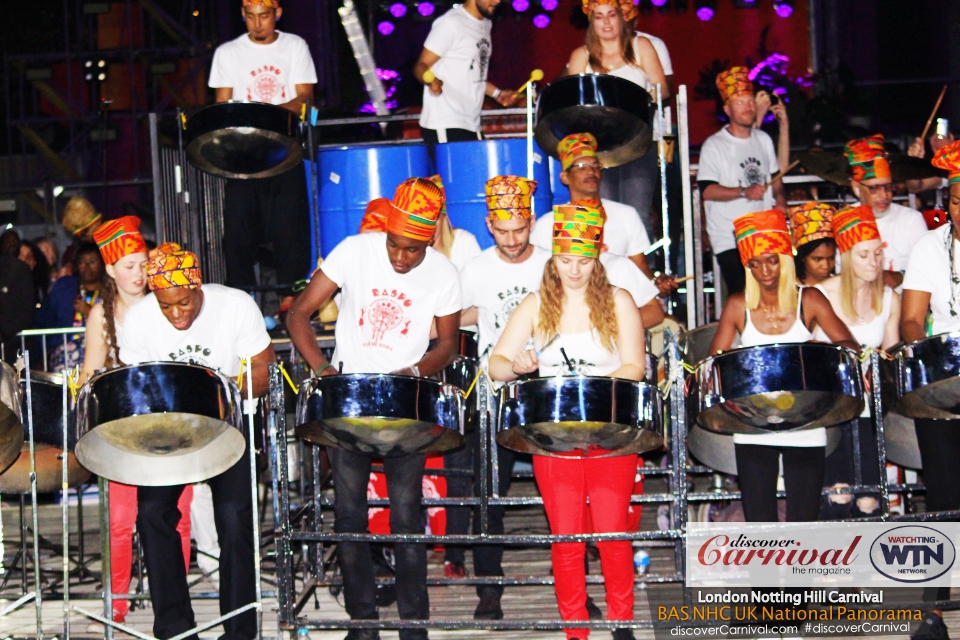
(593, 611)
(932, 628)
(623, 634)
(489, 607)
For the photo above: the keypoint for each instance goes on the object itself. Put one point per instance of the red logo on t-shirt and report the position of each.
(384, 314)
(266, 85)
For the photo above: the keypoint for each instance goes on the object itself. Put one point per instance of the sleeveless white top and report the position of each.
(586, 354)
(870, 334)
(629, 72)
(798, 332)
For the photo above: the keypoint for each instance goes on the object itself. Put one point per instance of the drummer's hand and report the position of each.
(666, 284)
(408, 371)
(939, 142)
(436, 87)
(508, 98)
(526, 362)
(755, 192)
(82, 307)
(780, 112)
(916, 148)
(763, 105)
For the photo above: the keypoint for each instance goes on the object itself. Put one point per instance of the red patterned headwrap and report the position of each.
(375, 217)
(415, 208)
(576, 145)
(867, 158)
(626, 7)
(173, 267)
(811, 221)
(119, 238)
(762, 233)
(949, 158)
(854, 225)
(734, 82)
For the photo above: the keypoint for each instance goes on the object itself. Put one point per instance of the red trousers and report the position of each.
(123, 517)
(566, 484)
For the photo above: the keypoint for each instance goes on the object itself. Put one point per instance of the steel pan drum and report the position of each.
(469, 344)
(461, 373)
(899, 432)
(614, 110)
(380, 414)
(11, 425)
(160, 423)
(780, 387)
(926, 378)
(561, 415)
(243, 140)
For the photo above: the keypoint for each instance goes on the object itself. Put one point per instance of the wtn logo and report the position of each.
(912, 554)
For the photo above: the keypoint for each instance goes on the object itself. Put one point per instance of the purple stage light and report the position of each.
(385, 27)
(783, 10)
(549, 5)
(426, 9)
(659, 3)
(705, 13)
(398, 9)
(541, 20)
(520, 5)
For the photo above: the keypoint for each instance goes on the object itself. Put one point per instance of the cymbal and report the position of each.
(833, 166)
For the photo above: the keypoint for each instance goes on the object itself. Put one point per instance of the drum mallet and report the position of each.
(428, 77)
(933, 113)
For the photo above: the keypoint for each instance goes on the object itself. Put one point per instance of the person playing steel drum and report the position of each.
(184, 320)
(393, 286)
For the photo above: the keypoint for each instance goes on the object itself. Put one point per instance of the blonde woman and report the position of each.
(458, 245)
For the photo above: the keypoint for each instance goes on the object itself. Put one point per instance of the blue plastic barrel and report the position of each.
(350, 177)
(465, 168)
(561, 194)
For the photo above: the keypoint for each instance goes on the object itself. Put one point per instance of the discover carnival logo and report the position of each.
(912, 554)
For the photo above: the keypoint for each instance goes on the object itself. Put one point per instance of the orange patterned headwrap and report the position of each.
(626, 7)
(437, 179)
(854, 225)
(576, 145)
(577, 230)
(949, 158)
(171, 267)
(734, 82)
(119, 238)
(867, 158)
(510, 197)
(762, 233)
(270, 4)
(375, 217)
(811, 221)
(415, 208)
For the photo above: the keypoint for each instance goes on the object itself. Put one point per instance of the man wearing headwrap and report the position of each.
(736, 167)
(184, 320)
(900, 227)
(394, 287)
(275, 67)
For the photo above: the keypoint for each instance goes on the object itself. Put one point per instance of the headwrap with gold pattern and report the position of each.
(867, 158)
(173, 267)
(119, 238)
(415, 208)
(734, 82)
(762, 233)
(510, 197)
(949, 158)
(854, 225)
(375, 217)
(79, 217)
(576, 145)
(577, 230)
(626, 7)
(811, 221)
(438, 180)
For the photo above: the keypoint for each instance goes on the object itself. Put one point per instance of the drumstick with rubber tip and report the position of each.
(780, 175)
(428, 77)
(933, 113)
(535, 76)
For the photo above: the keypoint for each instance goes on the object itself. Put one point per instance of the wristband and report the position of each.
(324, 368)
(496, 93)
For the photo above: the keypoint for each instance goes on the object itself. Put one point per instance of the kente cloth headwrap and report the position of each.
(270, 4)
(119, 238)
(173, 267)
(626, 7)
(510, 197)
(762, 233)
(867, 158)
(853, 225)
(811, 221)
(375, 217)
(415, 208)
(79, 216)
(438, 180)
(949, 158)
(577, 230)
(576, 145)
(734, 82)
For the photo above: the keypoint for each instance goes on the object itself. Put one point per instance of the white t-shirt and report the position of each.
(465, 248)
(623, 273)
(463, 44)
(263, 72)
(385, 316)
(495, 287)
(929, 270)
(229, 327)
(623, 232)
(900, 228)
(662, 53)
(735, 162)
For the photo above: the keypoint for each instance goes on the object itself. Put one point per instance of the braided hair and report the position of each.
(108, 295)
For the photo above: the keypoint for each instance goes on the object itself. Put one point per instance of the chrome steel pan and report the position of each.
(469, 344)
(780, 387)
(47, 395)
(461, 373)
(926, 378)
(160, 423)
(243, 140)
(380, 414)
(563, 415)
(695, 343)
(899, 431)
(11, 416)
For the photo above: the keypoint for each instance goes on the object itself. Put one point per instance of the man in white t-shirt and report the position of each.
(393, 287)
(184, 320)
(266, 65)
(900, 227)
(457, 54)
(736, 166)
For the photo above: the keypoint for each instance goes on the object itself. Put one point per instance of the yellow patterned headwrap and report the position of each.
(577, 230)
(811, 221)
(762, 233)
(854, 225)
(576, 145)
(510, 197)
(271, 4)
(173, 267)
(949, 158)
(415, 208)
(734, 82)
(626, 7)
(867, 158)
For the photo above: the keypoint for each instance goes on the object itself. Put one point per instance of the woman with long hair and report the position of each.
(124, 284)
(33, 257)
(598, 326)
(772, 310)
(871, 310)
(458, 245)
(813, 240)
